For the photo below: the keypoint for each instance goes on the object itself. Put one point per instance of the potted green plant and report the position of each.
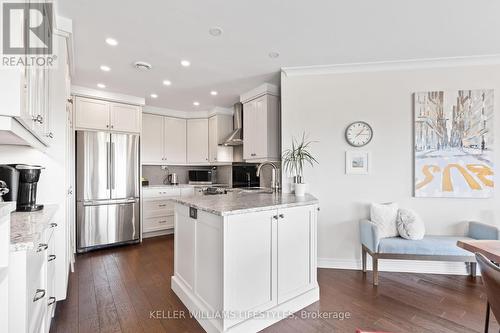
(294, 160)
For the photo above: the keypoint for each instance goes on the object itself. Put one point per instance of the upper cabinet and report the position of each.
(219, 127)
(197, 141)
(152, 139)
(163, 140)
(95, 114)
(175, 140)
(261, 125)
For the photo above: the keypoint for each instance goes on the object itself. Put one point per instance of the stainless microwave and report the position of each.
(202, 176)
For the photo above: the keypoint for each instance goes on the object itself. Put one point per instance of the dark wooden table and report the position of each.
(489, 248)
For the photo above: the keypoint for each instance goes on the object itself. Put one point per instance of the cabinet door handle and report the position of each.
(42, 247)
(162, 205)
(51, 301)
(51, 257)
(50, 135)
(275, 217)
(107, 126)
(53, 225)
(282, 216)
(39, 294)
(162, 221)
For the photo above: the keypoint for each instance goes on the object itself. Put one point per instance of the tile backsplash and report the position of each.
(156, 175)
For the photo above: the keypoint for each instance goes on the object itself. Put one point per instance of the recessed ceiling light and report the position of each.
(111, 41)
(215, 31)
(196, 103)
(166, 82)
(142, 65)
(101, 85)
(185, 63)
(154, 96)
(105, 68)
(213, 93)
(274, 54)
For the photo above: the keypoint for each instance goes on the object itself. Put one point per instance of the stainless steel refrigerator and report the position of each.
(107, 189)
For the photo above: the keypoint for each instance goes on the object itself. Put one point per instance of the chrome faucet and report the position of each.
(275, 183)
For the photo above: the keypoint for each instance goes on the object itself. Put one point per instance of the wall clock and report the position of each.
(358, 134)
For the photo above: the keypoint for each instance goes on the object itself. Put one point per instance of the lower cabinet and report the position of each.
(32, 287)
(270, 257)
(158, 208)
(245, 264)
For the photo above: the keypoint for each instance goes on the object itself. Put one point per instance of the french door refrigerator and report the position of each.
(107, 189)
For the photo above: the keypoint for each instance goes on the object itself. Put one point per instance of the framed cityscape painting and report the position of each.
(454, 144)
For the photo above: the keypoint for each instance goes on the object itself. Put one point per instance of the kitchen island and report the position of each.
(243, 261)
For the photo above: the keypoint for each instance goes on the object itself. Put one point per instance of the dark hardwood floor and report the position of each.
(114, 290)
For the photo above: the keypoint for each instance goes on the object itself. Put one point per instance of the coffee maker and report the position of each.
(22, 179)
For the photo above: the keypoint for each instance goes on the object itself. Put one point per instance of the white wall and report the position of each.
(324, 104)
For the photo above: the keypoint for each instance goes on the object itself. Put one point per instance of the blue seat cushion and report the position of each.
(429, 245)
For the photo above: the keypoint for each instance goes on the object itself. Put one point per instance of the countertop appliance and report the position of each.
(172, 179)
(107, 189)
(10, 175)
(29, 175)
(3, 189)
(202, 176)
(22, 182)
(245, 175)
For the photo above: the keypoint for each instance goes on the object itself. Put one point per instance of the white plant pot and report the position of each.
(300, 189)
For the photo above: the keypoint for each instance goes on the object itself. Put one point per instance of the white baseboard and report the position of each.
(390, 265)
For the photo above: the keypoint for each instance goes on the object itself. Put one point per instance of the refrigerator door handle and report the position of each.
(110, 202)
(112, 165)
(108, 166)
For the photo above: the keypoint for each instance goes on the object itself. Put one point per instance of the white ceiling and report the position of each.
(306, 32)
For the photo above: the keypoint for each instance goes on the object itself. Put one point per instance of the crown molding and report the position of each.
(188, 114)
(263, 89)
(411, 64)
(106, 95)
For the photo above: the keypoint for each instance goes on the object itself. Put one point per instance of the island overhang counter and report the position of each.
(243, 261)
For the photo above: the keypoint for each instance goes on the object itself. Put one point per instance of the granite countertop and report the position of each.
(183, 186)
(26, 229)
(6, 208)
(167, 186)
(239, 203)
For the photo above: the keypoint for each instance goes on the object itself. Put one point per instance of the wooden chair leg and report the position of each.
(375, 270)
(472, 267)
(487, 321)
(363, 259)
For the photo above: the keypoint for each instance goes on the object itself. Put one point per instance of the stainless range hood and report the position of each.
(236, 136)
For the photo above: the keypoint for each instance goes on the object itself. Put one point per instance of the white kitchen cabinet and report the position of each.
(31, 277)
(219, 127)
(251, 261)
(261, 129)
(184, 243)
(197, 141)
(245, 263)
(152, 140)
(296, 251)
(158, 208)
(175, 140)
(125, 117)
(101, 115)
(91, 114)
(163, 140)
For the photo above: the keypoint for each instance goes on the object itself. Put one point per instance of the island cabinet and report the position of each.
(239, 266)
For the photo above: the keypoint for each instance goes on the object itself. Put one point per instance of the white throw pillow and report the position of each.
(410, 225)
(384, 216)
